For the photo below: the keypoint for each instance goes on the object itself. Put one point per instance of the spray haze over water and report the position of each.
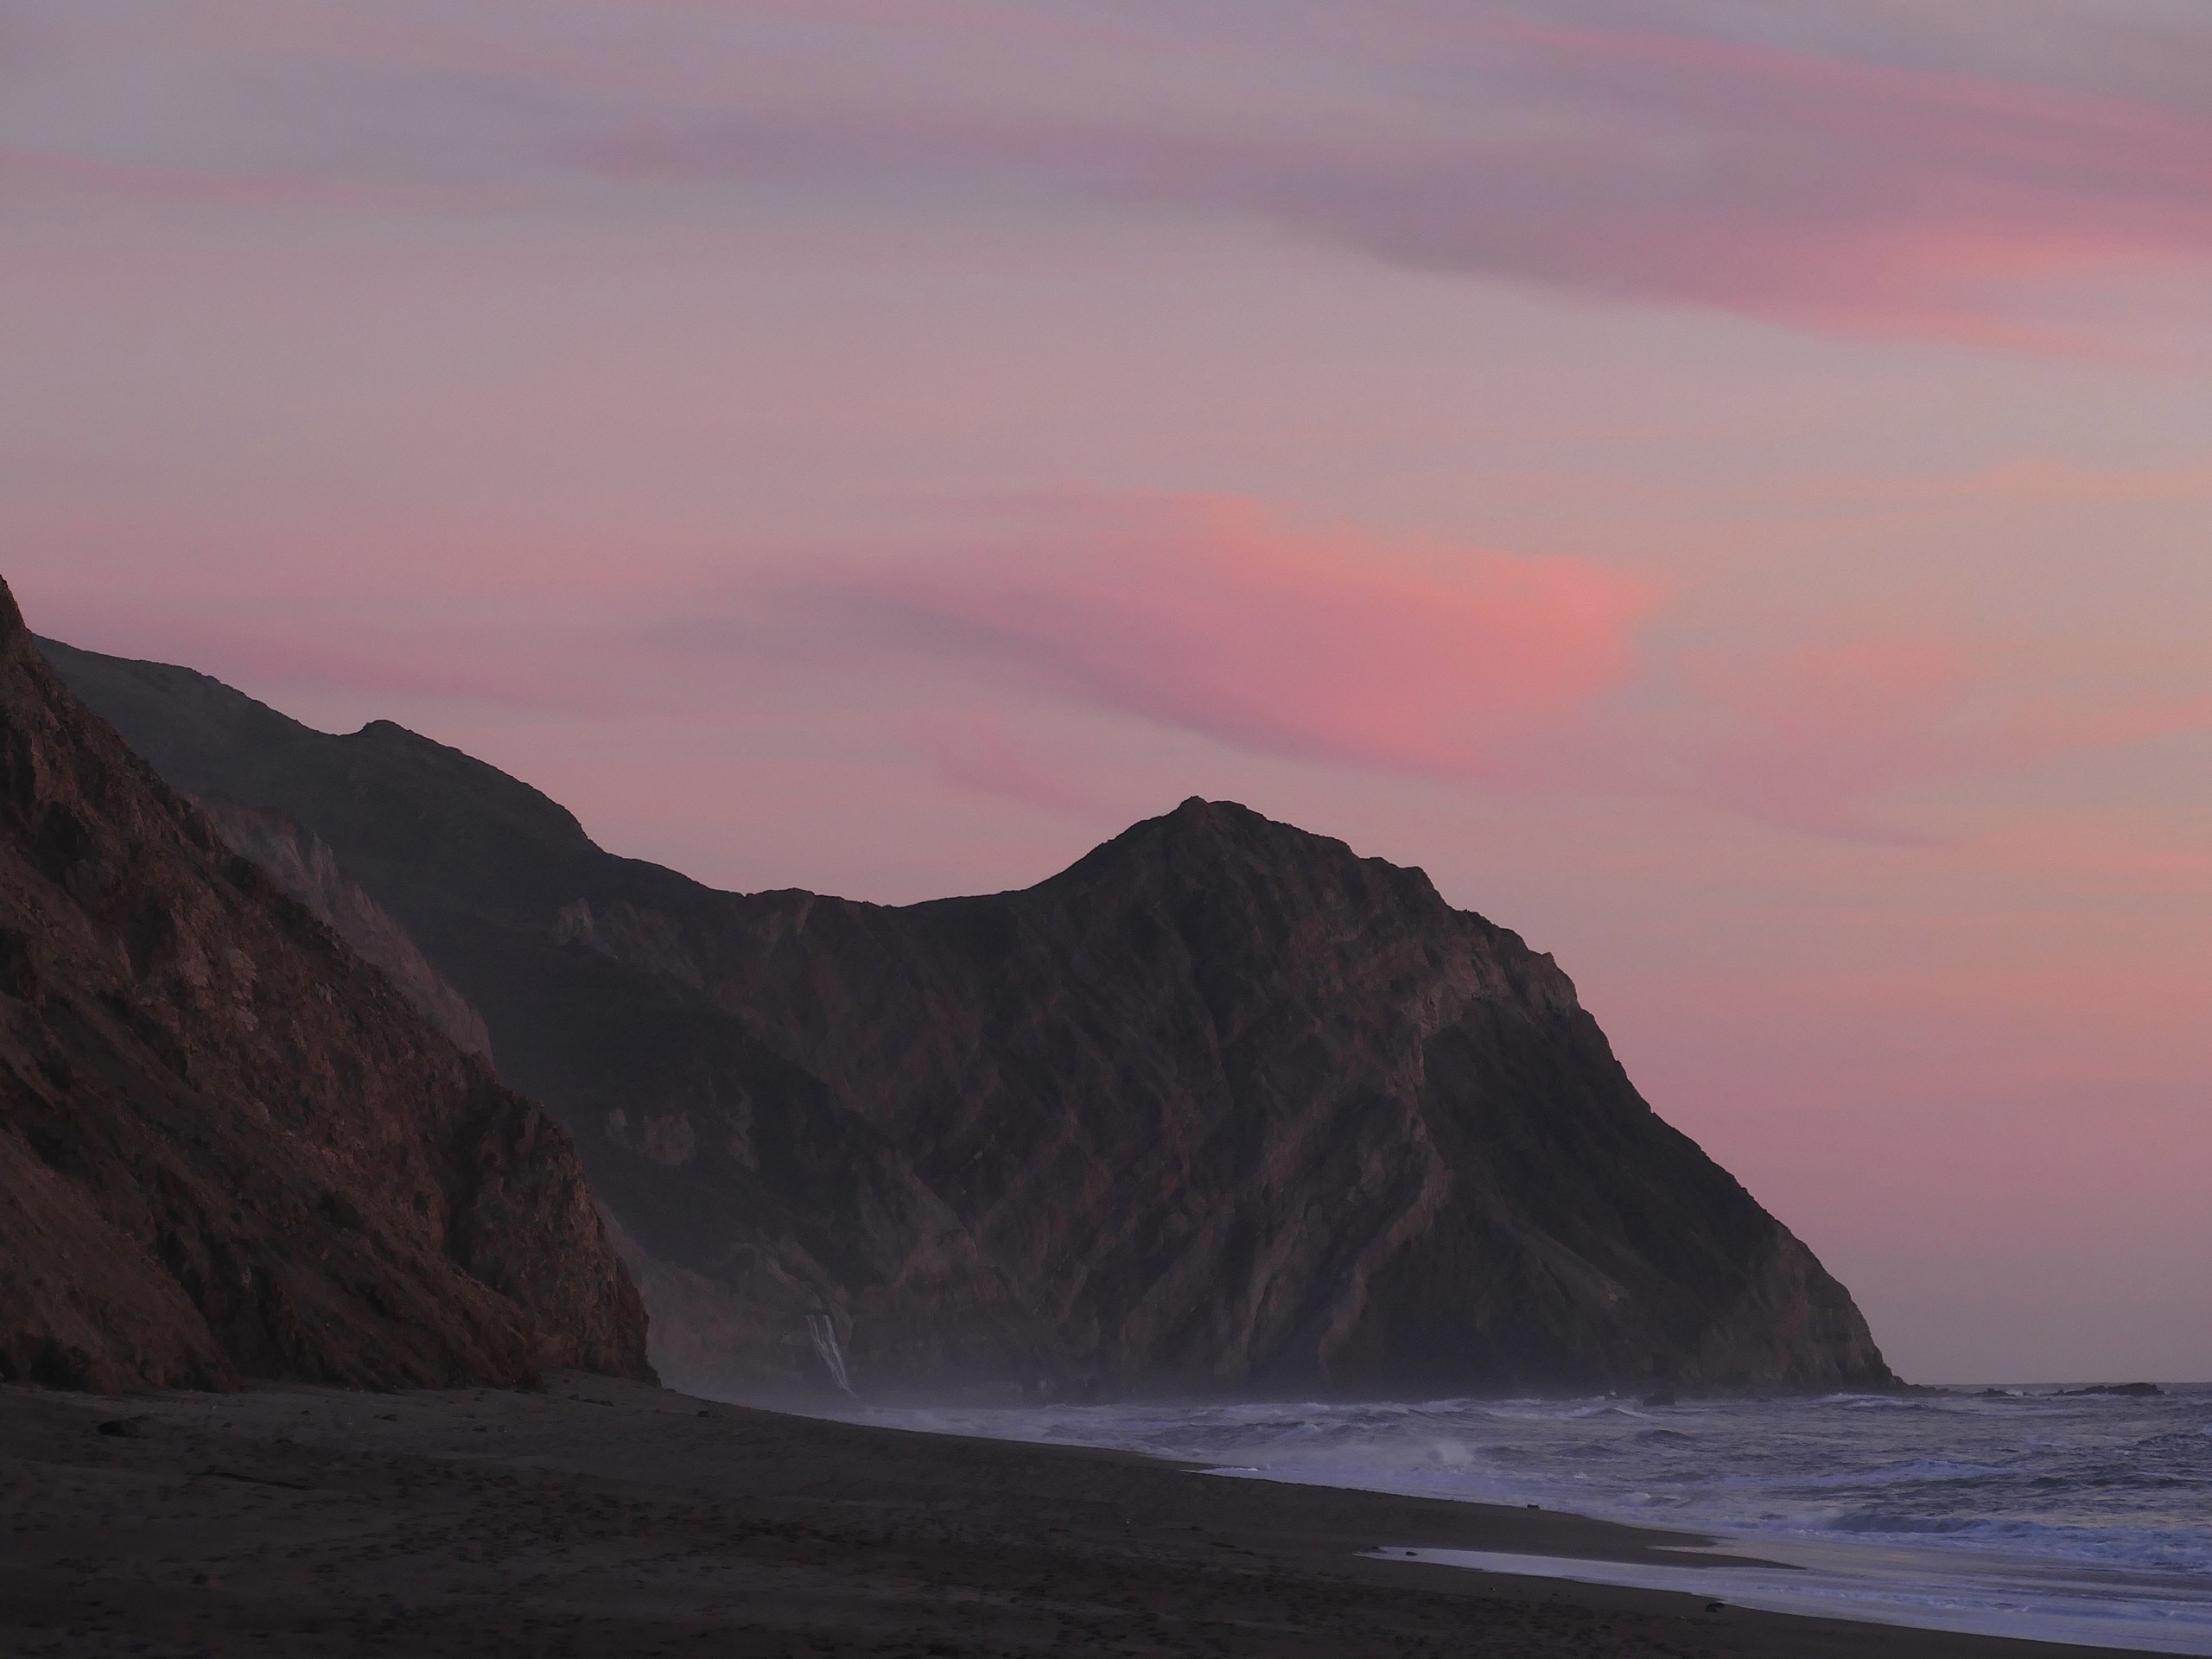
(2030, 1513)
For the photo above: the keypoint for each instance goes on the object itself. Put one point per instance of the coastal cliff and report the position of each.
(1223, 1108)
(308, 870)
(231, 1148)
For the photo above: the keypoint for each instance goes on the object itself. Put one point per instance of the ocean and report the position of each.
(2022, 1512)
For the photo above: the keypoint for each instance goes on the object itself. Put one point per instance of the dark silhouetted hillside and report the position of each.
(1222, 1107)
(231, 1148)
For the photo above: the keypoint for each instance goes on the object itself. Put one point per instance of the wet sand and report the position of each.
(604, 1519)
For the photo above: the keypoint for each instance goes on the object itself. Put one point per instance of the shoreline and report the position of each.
(1790, 1565)
(604, 1518)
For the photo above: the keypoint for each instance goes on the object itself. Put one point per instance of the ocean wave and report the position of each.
(1914, 1471)
(2186, 1550)
(2121, 1482)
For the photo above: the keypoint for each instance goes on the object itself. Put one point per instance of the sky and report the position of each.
(1723, 486)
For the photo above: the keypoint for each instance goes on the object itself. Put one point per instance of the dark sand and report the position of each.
(631, 1521)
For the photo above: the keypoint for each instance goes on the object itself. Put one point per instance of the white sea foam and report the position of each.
(2027, 1513)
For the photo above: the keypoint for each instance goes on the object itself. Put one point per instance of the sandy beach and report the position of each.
(606, 1518)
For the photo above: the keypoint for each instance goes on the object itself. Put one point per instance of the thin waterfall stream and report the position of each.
(823, 1330)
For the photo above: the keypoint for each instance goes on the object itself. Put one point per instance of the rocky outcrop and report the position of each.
(1222, 1107)
(231, 1148)
(308, 870)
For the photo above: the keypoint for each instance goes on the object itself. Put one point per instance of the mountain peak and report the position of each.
(1198, 821)
(1209, 843)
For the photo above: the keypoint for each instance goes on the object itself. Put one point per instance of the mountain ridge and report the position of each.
(1221, 1108)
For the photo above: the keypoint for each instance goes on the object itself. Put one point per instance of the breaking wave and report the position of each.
(1970, 1492)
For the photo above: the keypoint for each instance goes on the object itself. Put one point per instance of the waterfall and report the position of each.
(823, 1330)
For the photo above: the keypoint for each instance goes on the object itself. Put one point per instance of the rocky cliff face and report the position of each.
(1268, 1115)
(228, 1147)
(306, 868)
(1222, 1107)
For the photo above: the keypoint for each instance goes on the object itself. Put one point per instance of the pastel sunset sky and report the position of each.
(1726, 486)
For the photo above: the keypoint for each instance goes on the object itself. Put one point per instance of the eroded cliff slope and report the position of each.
(229, 1147)
(306, 868)
(1222, 1107)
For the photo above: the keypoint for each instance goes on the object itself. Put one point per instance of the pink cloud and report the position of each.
(973, 749)
(2039, 480)
(1807, 737)
(1840, 193)
(1329, 646)
(32, 176)
(1205, 615)
(2140, 856)
(1859, 190)
(1876, 193)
